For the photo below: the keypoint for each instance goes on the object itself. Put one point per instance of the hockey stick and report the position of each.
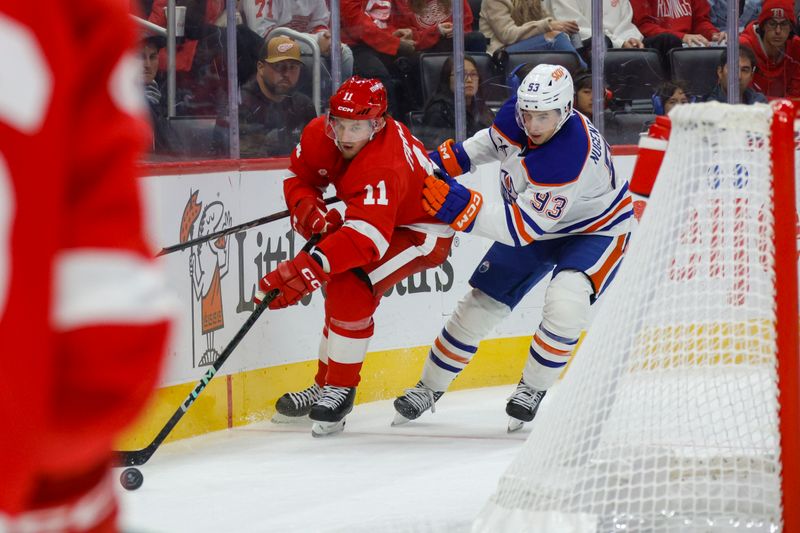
(140, 457)
(233, 229)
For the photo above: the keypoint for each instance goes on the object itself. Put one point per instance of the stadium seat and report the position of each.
(492, 87)
(696, 67)
(633, 73)
(624, 128)
(196, 135)
(552, 57)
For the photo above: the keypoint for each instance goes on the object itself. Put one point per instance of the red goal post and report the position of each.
(680, 411)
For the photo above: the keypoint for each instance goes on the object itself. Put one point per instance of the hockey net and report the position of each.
(668, 417)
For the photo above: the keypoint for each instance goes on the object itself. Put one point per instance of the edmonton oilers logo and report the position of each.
(484, 267)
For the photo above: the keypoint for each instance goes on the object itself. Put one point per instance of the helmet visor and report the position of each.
(348, 130)
(538, 122)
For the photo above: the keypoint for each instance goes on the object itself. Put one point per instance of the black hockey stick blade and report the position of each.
(140, 457)
(233, 229)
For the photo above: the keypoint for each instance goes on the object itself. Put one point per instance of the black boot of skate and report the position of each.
(329, 411)
(522, 405)
(414, 402)
(293, 405)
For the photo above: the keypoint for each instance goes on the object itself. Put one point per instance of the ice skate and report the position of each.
(294, 406)
(329, 411)
(414, 402)
(522, 406)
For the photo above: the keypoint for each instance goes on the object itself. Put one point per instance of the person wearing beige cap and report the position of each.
(272, 114)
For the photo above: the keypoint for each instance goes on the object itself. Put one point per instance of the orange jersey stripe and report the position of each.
(503, 135)
(520, 225)
(602, 222)
(599, 277)
(450, 354)
(547, 347)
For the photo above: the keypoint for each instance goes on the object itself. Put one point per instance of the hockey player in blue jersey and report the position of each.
(563, 211)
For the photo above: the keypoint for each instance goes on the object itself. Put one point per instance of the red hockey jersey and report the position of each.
(83, 311)
(677, 17)
(381, 188)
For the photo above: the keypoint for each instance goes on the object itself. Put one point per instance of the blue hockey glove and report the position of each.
(451, 202)
(451, 157)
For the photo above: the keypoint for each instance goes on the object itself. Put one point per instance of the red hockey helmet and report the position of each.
(359, 99)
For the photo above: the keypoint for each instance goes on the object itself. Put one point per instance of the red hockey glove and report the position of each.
(310, 217)
(451, 202)
(295, 278)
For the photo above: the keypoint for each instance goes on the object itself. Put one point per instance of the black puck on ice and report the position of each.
(131, 478)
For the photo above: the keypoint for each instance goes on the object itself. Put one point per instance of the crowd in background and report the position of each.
(386, 39)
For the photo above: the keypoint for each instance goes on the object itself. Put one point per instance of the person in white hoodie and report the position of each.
(618, 27)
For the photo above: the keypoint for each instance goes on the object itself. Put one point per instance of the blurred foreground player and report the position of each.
(83, 312)
(378, 170)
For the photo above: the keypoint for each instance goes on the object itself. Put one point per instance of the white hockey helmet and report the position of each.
(546, 87)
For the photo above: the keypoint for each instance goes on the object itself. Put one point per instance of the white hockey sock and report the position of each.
(475, 316)
(547, 357)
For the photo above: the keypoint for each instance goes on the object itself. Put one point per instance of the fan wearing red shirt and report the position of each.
(378, 170)
(777, 48)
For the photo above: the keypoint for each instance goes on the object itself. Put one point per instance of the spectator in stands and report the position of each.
(440, 112)
(305, 16)
(165, 140)
(271, 114)
(748, 12)
(525, 25)
(582, 84)
(617, 23)
(747, 95)
(668, 24)
(668, 95)
(431, 23)
(777, 48)
(380, 48)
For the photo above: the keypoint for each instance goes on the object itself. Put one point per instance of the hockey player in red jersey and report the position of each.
(378, 170)
(83, 311)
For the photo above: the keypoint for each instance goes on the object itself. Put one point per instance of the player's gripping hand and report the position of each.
(451, 202)
(294, 279)
(451, 157)
(310, 217)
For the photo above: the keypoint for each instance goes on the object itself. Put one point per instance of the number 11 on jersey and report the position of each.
(370, 198)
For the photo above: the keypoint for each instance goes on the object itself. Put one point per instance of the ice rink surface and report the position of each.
(428, 476)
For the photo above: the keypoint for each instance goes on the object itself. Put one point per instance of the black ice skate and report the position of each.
(294, 405)
(414, 402)
(522, 405)
(329, 411)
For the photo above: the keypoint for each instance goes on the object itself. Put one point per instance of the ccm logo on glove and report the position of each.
(294, 279)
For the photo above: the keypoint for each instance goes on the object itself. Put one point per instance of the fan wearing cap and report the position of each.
(377, 169)
(272, 114)
(563, 212)
(777, 48)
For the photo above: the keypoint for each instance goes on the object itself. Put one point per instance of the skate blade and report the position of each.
(325, 429)
(278, 418)
(399, 420)
(514, 425)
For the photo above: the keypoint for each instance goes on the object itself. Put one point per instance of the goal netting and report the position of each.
(668, 418)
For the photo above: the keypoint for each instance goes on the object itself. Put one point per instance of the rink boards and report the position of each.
(214, 283)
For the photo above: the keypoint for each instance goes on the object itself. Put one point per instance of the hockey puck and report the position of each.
(131, 478)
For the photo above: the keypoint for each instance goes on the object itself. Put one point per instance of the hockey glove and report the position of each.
(451, 157)
(451, 202)
(295, 278)
(310, 217)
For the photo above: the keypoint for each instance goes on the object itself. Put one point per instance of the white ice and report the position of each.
(430, 475)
